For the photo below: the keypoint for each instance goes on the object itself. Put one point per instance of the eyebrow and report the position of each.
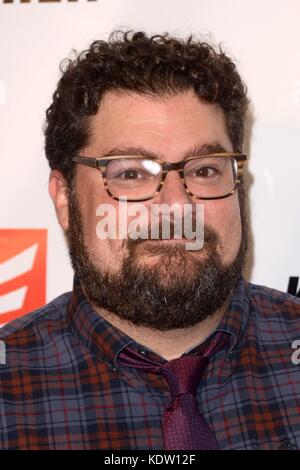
(214, 147)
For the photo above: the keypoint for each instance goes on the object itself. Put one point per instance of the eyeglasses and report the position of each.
(211, 176)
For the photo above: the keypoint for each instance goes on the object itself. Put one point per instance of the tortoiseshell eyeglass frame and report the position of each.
(102, 162)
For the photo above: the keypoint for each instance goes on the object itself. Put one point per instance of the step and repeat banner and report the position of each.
(264, 39)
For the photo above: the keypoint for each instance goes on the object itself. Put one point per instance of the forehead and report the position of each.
(161, 123)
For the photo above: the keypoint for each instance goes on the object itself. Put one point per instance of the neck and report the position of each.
(167, 344)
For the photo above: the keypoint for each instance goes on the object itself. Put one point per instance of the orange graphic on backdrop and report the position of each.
(22, 272)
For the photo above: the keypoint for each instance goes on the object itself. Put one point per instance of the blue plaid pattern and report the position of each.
(62, 386)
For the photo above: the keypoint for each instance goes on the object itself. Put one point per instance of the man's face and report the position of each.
(158, 284)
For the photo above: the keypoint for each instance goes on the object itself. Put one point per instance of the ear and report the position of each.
(58, 191)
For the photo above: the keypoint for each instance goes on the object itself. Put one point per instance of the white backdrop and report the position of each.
(263, 37)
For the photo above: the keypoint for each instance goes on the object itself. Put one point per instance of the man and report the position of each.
(158, 346)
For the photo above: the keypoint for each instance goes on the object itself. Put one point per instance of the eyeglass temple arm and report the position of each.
(85, 161)
(91, 161)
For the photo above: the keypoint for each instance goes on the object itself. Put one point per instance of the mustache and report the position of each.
(210, 235)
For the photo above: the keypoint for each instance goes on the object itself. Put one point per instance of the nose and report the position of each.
(173, 191)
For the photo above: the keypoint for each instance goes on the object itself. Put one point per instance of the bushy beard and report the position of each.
(178, 291)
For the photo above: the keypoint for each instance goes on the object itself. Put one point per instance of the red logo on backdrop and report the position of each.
(22, 272)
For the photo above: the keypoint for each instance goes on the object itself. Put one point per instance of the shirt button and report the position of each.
(114, 369)
(142, 351)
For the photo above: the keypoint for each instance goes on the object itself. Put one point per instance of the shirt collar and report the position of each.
(106, 341)
(235, 320)
(103, 340)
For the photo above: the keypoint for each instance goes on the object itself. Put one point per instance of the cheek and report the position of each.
(105, 251)
(96, 208)
(224, 216)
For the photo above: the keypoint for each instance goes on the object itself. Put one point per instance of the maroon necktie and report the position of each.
(184, 427)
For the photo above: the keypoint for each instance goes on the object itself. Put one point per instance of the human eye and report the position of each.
(130, 174)
(206, 172)
(203, 170)
(132, 169)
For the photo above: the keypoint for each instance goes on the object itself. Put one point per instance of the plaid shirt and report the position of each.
(62, 386)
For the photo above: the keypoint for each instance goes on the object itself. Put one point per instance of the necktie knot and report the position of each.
(183, 374)
(184, 427)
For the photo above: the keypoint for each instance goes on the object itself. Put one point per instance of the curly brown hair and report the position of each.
(134, 61)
